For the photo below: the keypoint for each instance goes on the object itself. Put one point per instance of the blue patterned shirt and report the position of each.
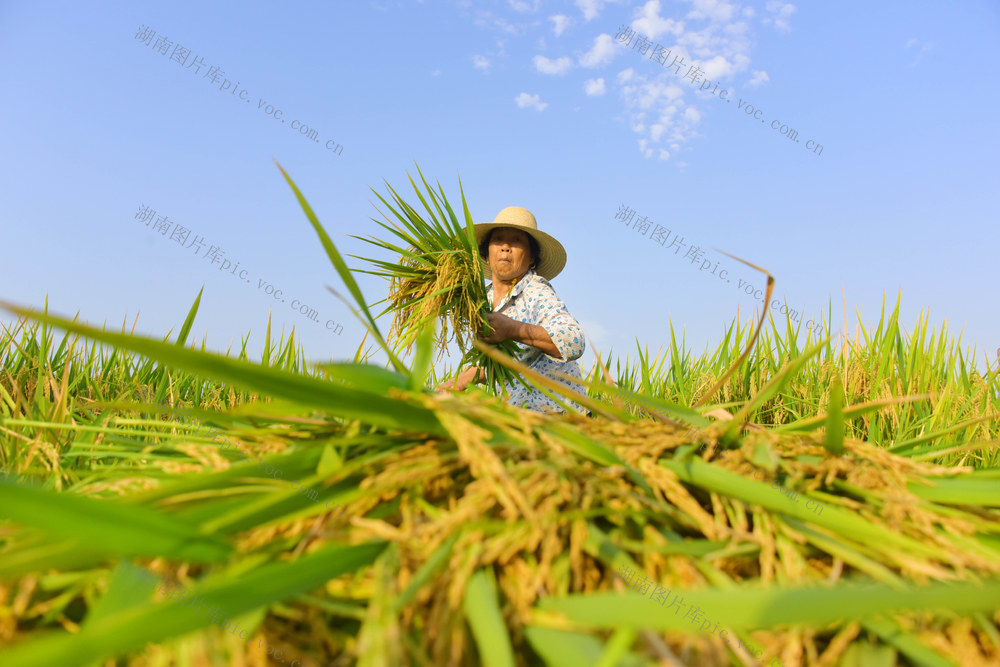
(533, 301)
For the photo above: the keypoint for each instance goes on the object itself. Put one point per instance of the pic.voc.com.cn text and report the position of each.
(667, 60)
(214, 254)
(215, 75)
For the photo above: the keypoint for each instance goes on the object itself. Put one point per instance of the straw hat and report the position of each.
(552, 252)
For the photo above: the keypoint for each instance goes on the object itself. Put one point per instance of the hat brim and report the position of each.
(553, 253)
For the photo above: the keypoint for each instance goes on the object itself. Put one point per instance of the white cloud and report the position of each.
(657, 112)
(731, 42)
(781, 12)
(759, 77)
(648, 94)
(554, 67)
(486, 19)
(652, 25)
(590, 8)
(712, 10)
(602, 52)
(480, 62)
(436, 72)
(717, 68)
(522, 6)
(524, 101)
(559, 23)
(594, 87)
(714, 35)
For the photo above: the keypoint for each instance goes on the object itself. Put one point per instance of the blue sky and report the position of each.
(536, 104)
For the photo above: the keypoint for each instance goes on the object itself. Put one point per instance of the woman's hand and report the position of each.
(504, 328)
(462, 380)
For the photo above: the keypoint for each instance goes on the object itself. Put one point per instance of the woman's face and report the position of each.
(510, 253)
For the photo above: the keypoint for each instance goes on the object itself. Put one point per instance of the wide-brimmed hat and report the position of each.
(553, 254)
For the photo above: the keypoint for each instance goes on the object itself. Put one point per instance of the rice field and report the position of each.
(809, 504)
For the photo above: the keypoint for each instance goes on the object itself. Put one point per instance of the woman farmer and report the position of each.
(520, 260)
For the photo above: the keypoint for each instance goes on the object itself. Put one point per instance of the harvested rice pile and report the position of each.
(509, 493)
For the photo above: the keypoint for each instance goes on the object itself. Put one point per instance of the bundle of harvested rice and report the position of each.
(437, 279)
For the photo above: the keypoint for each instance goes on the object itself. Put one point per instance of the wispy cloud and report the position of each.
(603, 51)
(660, 106)
(658, 113)
(480, 62)
(651, 24)
(487, 19)
(526, 101)
(594, 87)
(592, 8)
(759, 77)
(523, 6)
(712, 10)
(780, 12)
(555, 67)
(559, 23)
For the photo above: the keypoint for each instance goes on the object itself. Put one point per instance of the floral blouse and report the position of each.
(533, 301)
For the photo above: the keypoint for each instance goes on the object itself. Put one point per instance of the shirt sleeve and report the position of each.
(548, 311)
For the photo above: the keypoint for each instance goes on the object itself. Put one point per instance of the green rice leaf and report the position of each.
(749, 608)
(113, 528)
(341, 267)
(834, 441)
(133, 627)
(482, 609)
(560, 648)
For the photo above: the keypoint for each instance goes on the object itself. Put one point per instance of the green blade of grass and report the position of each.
(749, 609)
(974, 489)
(696, 472)
(370, 407)
(345, 273)
(182, 335)
(560, 648)
(852, 412)
(891, 633)
(115, 528)
(423, 359)
(790, 370)
(426, 571)
(133, 627)
(482, 610)
(834, 440)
